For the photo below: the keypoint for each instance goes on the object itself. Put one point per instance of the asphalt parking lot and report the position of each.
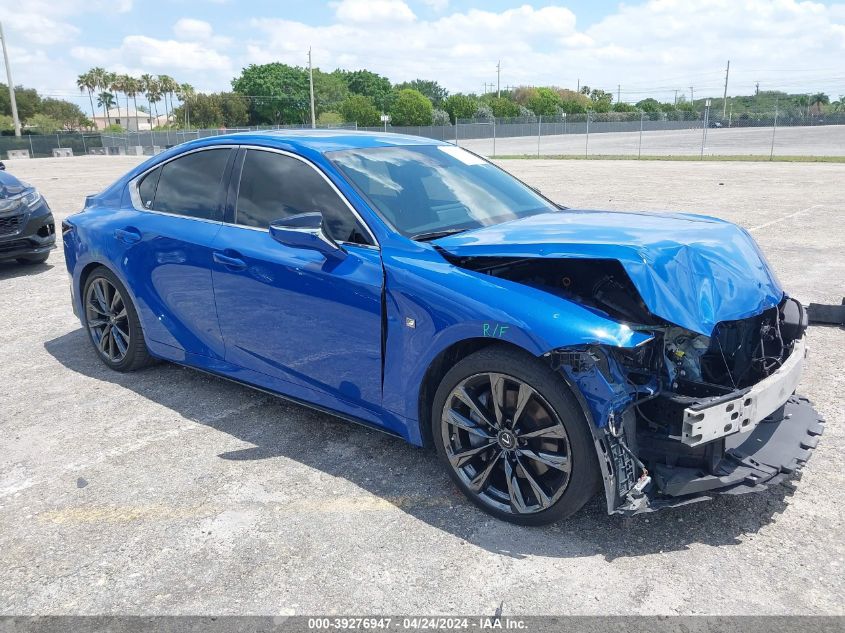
(172, 492)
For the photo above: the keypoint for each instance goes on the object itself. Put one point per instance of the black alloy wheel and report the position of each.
(112, 322)
(516, 442)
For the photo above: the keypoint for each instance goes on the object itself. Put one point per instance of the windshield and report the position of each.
(426, 191)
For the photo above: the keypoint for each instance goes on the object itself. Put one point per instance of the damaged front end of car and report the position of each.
(683, 415)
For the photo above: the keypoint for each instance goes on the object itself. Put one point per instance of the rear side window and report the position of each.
(147, 188)
(191, 185)
(274, 186)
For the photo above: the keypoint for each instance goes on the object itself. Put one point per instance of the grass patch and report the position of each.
(727, 158)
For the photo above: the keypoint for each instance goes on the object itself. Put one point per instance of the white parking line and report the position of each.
(786, 217)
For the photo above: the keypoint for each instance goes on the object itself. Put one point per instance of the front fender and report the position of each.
(432, 304)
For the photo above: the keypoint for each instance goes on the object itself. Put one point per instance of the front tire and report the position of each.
(514, 438)
(112, 322)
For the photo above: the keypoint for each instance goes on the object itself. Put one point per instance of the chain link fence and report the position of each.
(616, 134)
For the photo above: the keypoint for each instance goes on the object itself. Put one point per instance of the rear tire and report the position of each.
(530, 460)
(112, 322)
(31, 260)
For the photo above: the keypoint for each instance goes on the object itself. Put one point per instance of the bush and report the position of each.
(411, 108)
(360, 109)
(545, 102)
(483, 112)
(440, 117)
(330, 118)
(459, 106)
(114, 128)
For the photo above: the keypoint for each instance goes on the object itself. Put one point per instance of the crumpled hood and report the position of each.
(693, 271)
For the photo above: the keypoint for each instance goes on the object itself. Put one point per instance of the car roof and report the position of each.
(323, 140)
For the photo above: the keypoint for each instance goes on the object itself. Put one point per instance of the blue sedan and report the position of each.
(412, 286)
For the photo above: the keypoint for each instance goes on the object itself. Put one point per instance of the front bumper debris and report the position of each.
(742, 411)
(776, 449)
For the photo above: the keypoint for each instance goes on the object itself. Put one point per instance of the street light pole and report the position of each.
(311, 83)
(12, 101)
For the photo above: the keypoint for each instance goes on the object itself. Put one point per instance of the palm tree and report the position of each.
(118, 85)
(839, 106)
(186, 93)
(84, 82)
(167, 85)
(100, 78)
(818, 100)
(149, 86)
(132, 88)
(105, 100)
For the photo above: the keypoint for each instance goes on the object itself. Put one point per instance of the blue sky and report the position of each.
(641, 48)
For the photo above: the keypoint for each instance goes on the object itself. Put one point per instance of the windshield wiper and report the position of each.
(433, 235)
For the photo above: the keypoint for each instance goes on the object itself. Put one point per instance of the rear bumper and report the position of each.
(779, 447)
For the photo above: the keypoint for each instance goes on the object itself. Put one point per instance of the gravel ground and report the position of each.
(824, 140)
(171, 492)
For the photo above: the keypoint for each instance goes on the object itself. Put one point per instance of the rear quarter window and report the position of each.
(192, 185)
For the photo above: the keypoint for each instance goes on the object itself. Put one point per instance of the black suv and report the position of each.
(27, 230)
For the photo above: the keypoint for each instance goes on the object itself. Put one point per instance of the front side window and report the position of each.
(426, 191)
(191, 185)
(274, 186)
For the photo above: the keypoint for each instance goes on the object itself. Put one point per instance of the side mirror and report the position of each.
(305, 230)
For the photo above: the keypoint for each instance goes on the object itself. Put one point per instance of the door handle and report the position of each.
(233, 263)
(127, 236)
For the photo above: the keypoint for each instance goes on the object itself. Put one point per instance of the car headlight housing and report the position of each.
(31, 199)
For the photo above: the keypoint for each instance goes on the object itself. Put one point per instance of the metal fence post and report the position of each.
(587, 143)
(640, 147)
(84, 148)
(31, 149)
(539, 132)
(774, 129)
(494, 137)
(456, 130)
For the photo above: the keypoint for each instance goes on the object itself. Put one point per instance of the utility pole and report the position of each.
(12, 101)
(618, 93)
(725, 97)
(757, 89)
(578, 89)
(691, 95)
(676, 96)
(311, 83)
(499, 78)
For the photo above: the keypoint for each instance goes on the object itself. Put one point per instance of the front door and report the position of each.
(312, 324)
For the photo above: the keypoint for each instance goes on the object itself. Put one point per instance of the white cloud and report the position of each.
(373, 11)
(437, 5)
(191, 29)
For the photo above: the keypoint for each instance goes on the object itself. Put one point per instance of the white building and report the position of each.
(133, 120)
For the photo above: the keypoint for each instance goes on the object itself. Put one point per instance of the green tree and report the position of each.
(361, 110)
(602, 100)
(411, 108)
(369, 84)
(502, 107)
(27, 100)
(69, 115)
(431, 89)
(624, 107)
(649, 105)
(7, 124)
(278, 93)
(460, 106)
(817, 101)
(545, 102)
(44, 124)
(330, 91)
(235, 109)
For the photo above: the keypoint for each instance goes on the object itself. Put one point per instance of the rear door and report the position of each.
(176, 213)
(311, 324)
